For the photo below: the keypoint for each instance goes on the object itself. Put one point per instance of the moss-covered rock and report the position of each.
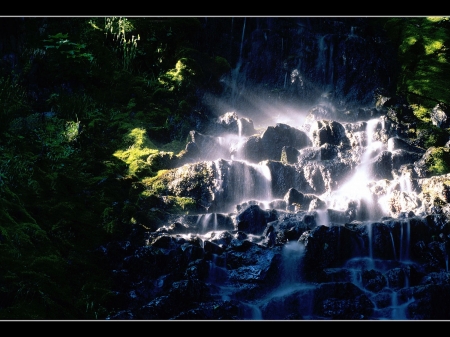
(139, 147)
(436, 161)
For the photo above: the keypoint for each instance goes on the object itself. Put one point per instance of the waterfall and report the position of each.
(405, 237)
(370, 238)
(321, 57)
(325, 62)
(264, 178)
(204, 221)
(331, 68)
(393, 245)
(304, 254)
(253, 312)
(356, 189)
(405, 183)
(293, 253)
(215, 222)
(239, 123)
(242, 40)
(235, 73)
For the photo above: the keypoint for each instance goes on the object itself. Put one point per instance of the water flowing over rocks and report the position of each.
(348, 228)
(339, 59)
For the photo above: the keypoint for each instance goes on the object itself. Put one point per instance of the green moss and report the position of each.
(439, 161)
(184, 70)
(162, 160)
(421, 112)
(429, 135)
(156, 185)
(182, 205)
(139, 148)
(174, 146)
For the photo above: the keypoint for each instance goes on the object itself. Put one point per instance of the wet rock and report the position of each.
(335, 275)
(177, 228)
(215, 310)
(373, 280)
(289, 155)
(342, 301)
(230, 123)
(257, 264)
(252, 220)
(168, 306)
(431, 302)
(297, 302)
(275, 138)
(210, 147)
(381, 167)
(328, 247)
(397, 278)
(278, 204)
(397, 143)
(197, 269)
(223, 239)
(328, 151)
(402, 157)
(211, 247)
(439, 117)
(252, 149)
(163, 241)
(325, 131)
(287, 229)
(269, 145)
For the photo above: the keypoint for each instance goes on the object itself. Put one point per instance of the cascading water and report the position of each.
(356, 189)
(254, 182)
(235, 73)
(292, 262)
(318, 220)
(405, 236)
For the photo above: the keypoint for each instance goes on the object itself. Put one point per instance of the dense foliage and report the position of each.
(85, 102)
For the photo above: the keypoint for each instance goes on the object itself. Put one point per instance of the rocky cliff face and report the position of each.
(330, 208)
(329, 219)
(303, 60)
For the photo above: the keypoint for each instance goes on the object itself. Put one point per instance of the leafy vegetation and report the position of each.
(439, 161)
(424, 58)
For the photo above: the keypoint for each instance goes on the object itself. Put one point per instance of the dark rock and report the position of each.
(439, 117)
(275, 138)
(298, 303)
(397, 278)
(432, 302)
(397, 143)
(381, 167)
(252, 149)
(325, 131)
(342, 301)
(177, 228)
(373, 280)
(329, 247)
(210, 147)
(215, 310)
(252, 220)
(289, 155)
(335, 275)
(328, 151)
